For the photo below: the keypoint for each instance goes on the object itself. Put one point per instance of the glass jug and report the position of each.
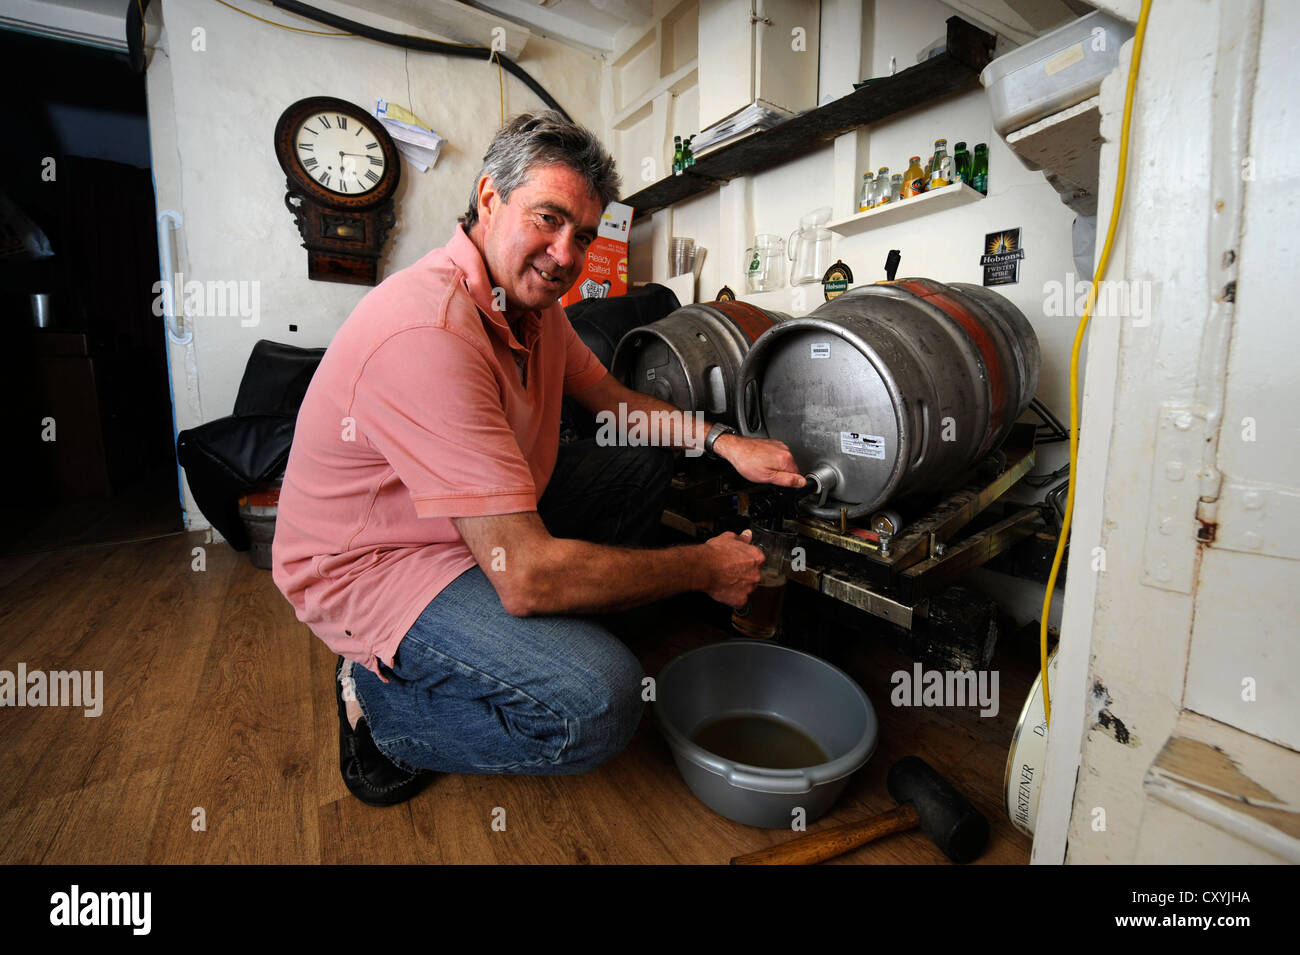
(765, 263)
(810, 248)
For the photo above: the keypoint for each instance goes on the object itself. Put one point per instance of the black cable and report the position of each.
(1046, 415)
(135, 33)
(1042, 480)
(1052, 421)
(1055, 501)
(421, 44)
(1051, 430)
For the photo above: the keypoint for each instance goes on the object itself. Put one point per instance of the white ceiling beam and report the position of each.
(94, 24)
(432, 19)
(592, 32)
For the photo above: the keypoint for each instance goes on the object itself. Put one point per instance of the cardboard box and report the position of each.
(604, 274)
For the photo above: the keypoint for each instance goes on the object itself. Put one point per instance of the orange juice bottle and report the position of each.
(914, 178)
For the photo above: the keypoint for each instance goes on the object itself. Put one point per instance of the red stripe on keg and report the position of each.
(750, 320)
(988, 349)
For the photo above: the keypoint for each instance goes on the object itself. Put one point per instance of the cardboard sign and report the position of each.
(604, 274)
(1001, 258)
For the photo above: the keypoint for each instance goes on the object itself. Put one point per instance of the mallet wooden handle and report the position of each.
(817, 846)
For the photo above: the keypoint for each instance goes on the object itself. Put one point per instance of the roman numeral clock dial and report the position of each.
(344, 158)
(341, 169)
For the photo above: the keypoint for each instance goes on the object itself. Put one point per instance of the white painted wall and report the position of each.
(945, 246)
(1174, 626)
(212, 116)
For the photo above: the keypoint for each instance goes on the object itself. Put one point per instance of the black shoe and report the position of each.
(368, 773)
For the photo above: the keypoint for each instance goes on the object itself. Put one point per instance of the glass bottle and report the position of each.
(882, 186)
(913, 179)
(937, 180)
(864, 194)
(688, 156)
(677, 155)
(961, 160)
(979, 170)
(896, 186)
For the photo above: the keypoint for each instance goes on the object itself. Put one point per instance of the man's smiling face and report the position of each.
(535, 244)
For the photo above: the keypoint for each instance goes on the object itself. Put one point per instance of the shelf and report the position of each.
(958, 194)
(1066, 146)
(956, 70)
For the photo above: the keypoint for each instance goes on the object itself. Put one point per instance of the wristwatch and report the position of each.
(717, 431)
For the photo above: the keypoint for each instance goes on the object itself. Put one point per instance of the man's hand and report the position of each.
(535, 573)
(761, 460)
(733, 568)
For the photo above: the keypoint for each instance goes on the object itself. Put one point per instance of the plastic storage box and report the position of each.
(1054, 72)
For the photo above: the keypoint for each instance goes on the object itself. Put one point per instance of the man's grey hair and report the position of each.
(546, 138)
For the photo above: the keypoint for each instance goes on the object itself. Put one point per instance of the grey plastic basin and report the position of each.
(755, 678)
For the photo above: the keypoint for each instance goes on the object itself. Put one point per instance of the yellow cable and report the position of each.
(501, 86)
(282, 26)
(1078, 344)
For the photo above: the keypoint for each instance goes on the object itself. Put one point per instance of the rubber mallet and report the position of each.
(925, 799)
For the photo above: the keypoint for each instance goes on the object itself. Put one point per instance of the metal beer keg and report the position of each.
(690, 357)
(890, 388)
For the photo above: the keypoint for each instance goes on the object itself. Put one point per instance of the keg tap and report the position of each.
(772, 509)
(821, 481)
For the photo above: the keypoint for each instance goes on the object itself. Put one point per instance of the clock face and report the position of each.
(335, 154)
(339, 152)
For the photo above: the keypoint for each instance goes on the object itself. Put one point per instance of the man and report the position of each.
(429, 526)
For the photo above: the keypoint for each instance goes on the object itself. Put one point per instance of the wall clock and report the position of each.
(341, 170)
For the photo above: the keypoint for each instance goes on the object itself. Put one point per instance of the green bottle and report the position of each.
(961, 159)
(677, 155)
(979, 171)
(689, 159)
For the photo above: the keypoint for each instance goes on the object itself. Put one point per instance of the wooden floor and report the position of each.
(148, 507)
(217, 701)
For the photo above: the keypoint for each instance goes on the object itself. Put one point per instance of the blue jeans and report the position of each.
(474, 690)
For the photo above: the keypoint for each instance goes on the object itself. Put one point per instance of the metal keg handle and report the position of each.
(753, 416)
(821, 481)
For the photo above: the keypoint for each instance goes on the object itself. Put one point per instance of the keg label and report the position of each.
(821, 350)
(836, 280)
(862, 445)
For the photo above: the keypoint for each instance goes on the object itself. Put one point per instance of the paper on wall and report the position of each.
(417, 143)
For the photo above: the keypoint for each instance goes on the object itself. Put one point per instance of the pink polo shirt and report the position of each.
(416, 415)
